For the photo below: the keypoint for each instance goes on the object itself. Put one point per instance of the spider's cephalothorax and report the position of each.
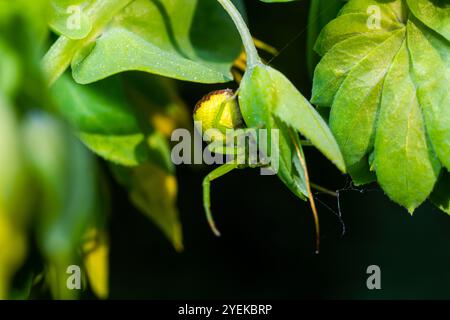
(219, 110)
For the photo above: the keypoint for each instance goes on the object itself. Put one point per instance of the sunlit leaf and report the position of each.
(433, 13)
(388, 88)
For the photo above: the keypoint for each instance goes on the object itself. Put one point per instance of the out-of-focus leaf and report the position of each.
(96, 261)
(96, 245)
(153, 190)
(65, 173)
(154, 102)
(33, 18)
(23, 35)
(10, 70)
(13, 199)
(22, 287)
(274, 1)
(106, 122)
(157, 97)
(13, 247)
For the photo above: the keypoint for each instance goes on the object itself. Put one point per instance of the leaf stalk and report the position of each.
(253, 58)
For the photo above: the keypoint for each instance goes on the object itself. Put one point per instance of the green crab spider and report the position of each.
(219, 112)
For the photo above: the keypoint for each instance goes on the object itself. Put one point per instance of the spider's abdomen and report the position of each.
(218, 110)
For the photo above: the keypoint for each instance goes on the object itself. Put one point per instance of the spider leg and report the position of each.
(217, 173)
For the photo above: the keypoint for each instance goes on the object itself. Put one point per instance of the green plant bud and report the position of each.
(218, 110)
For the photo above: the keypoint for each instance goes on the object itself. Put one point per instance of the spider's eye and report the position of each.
(219, 110)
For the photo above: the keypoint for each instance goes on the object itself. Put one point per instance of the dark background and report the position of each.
(267, 247)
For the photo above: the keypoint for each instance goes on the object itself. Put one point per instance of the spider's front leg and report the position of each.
(217, 173)
(215, 114)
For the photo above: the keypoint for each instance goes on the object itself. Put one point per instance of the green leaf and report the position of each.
(353, 117)
(430, 55)
(96, 261)
(153, 190)
(388, 88)
(70, 18)
(107, 123)
(321, 12)
(269, 100)
(407, 168)
(10, 67)
(256, 97)
(96, 243)
(433, 13)
(22, 33)
(441, 193)
(291, 107)
(159, 97)
(13, 199)
(193, 41)
(334, 68)
(275, 1)
(65, 177)
(124, 134)
(349, 25)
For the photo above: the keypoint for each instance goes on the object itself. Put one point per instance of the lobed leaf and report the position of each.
(434, 14)
(388, 89)
(321, 12)
(407, 168)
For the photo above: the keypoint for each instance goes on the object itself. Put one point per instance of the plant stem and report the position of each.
(60, 55)
(308, 189)
(324, 190)
(250, 49)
